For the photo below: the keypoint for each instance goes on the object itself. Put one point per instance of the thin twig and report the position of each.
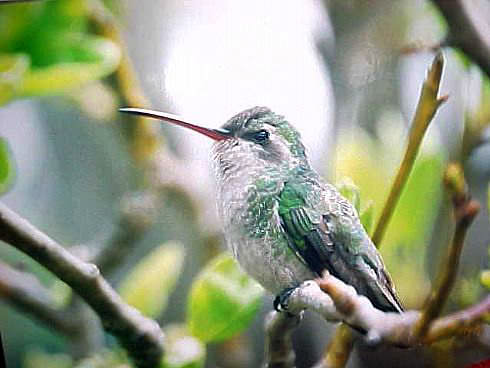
(454, 323)
(465, 210)
(342, 341)
(138, 212)
(427, 106)
(339, 349)
(145, 139)
(469, 29)
(164, 172)
(140, 336)
(279, 351)
(24, 291)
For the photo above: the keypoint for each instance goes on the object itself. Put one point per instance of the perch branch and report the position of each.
(140, 336)
(465, 210)
(469, 30)
(25, 292)
(335, 300)
(427, 106)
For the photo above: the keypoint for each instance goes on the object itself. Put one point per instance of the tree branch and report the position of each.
(339, 349)
(25, 292)
(335, 300)
(427, 106)
(140, 336)
(465, 210)
(138, 212)
(451, 325)
(469, 30)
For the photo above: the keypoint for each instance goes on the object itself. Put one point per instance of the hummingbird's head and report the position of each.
(258, 134)
(255, 139)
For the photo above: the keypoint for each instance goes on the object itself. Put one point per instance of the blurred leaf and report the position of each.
(367, 216)
(462, 58)
(466, 291)
(97, 100)
(482, 113)
(415, 213)
(437, 17)
(14, 20)
(54, 47)
(61, 293)
(181, 349)
(223, 300)
(6, 166)
(350, 191)
(13, 68)
(37, 358)
(98, 58)
(149, 284)
(485, 278)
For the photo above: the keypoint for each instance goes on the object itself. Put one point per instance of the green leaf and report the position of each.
(6, 166)
(36, 358)
(13, 68)
(464, 59)
(350, 191)
(467, 291)
(48, 49)
(181, 349)
(367, 216)
(223, 300)
(485, 278)
(149, 284)
(61, 293)
(92, 58)
(14, 21)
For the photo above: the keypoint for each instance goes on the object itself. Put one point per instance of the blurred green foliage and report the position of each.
(35, 359)
(47, 48)
(148, 285)
(351, 191)
(6, 166)
(223, 300)
(61, 293)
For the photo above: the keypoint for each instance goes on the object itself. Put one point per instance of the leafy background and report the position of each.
(338, 74)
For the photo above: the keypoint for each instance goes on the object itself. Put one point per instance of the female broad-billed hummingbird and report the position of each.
(282, 222)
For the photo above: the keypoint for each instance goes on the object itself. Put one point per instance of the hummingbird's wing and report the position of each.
(324, 240)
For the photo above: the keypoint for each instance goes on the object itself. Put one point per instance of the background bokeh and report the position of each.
(347, 74)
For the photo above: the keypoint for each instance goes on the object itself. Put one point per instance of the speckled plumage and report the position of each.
(282, 222)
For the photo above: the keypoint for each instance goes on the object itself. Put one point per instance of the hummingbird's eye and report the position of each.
(261, 136)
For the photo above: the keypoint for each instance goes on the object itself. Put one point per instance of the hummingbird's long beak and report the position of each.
(216, 134)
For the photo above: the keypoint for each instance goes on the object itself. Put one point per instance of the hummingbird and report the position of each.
(282, 222)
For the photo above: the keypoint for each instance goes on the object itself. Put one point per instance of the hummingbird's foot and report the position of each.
(281, 300)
